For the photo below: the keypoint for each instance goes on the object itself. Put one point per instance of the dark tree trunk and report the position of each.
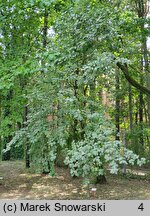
(45, 28)
(7, 113)
(136, 118)
(101, 179)
(27, 145)
(23, 83)
(75, 121)
(130, 107)
(117, 107)
(0, 135)
(141, 118)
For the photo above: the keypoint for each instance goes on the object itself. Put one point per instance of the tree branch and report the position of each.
(133, 82)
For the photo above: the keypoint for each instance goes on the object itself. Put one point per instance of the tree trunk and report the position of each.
(142, 9)
(117, 107)
(141, 118)
(7, 113)
(101, 179)
(0, 135)
(146, 67)
(27, 145)
(130, 107)
(136, 118)
(23, 83)
(45, 28)
(141, 106)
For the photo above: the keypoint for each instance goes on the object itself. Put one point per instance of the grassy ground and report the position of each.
(17, 183)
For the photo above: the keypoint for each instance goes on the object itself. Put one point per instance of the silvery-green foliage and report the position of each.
(98, 150)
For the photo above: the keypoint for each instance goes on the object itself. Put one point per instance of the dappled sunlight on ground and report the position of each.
(19, 184)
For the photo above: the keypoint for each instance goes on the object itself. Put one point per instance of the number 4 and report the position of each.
(141, 207)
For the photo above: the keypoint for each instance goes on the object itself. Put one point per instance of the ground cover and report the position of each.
(19, 183)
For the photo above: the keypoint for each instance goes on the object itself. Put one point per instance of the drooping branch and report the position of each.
(133, 82)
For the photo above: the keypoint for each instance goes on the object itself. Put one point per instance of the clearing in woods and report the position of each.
(18, 183)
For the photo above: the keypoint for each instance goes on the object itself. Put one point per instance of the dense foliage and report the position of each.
(75, 84)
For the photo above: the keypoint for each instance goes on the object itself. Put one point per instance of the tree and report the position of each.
(72, 51)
